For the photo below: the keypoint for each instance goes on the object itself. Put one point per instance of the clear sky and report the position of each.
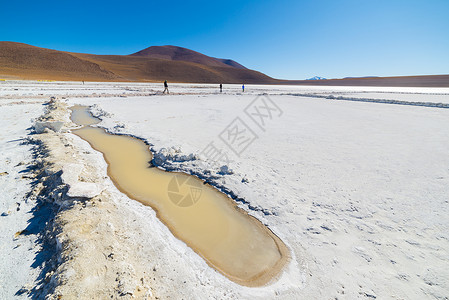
(284, 39)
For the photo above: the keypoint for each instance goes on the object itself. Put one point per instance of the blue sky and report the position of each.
(284, 39)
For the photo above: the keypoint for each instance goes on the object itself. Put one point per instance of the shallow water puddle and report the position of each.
(230, 240)
(81, 116)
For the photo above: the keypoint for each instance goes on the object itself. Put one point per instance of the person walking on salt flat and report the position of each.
(221, 88)
(166, 87)
(243, 87)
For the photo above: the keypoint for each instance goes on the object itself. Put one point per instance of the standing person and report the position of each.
(221, 88)
(166, 87)
(243, 87)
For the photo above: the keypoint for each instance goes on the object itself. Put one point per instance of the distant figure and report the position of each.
(166, 87)
(221, 88)
(83, 81)
(243, 87)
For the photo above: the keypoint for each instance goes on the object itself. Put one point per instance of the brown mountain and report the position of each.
(184, 54)
(156, 64)
(177, 65)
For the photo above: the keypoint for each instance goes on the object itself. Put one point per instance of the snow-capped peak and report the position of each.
(317, 78)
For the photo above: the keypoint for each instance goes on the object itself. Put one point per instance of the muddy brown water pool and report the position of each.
(225, 236)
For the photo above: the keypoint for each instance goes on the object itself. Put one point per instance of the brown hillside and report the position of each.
(231, 63)
(170, 63)
(137, 68)
(187, 55)
(31, 62)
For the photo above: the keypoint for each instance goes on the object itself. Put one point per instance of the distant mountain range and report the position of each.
(317, 78)
(159, 63)
(361, 77)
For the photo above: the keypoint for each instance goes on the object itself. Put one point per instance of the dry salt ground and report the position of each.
(18, 263)
(359, 191)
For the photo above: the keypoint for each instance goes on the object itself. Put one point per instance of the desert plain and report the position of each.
(353, 180)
